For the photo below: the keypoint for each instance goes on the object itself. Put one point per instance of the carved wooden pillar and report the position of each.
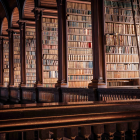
(58, 133)
(44, 134)
(1, 62)
(22, 26)
(110, 129)
(98, 44)
(30, 135)
(39, 76)
(98, 130)
(62, 49)
(133, 126)
(11, 58)
(86, 131)
(122, 128)
(71, 133)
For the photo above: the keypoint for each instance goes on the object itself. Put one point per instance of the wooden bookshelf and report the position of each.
(79, 44)
(122, 60)
(50, 51)
(30, 57)
(17, 65)
(6, 62)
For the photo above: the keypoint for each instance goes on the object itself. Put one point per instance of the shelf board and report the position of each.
(78, 48)
(80, 27)
(80, 60)
(122, 62)
(121, 22)
(81, 68)
(122, 78)
(78, 41)
(78, 34)
(80, 74)
(79, 21)
(122, 70)
(119, 54)
(120, 46)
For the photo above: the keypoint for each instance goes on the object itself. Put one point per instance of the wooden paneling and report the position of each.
(29, 6)
(5, 26)
(15, 17)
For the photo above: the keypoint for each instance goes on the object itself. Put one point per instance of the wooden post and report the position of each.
(98, 130)
(133, 126)
(11, 58)
(62, 49)
(22, 26)
(1, 62)
(38, 20)
(98, 44)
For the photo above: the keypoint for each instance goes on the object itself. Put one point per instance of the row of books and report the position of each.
(6, 71)
(49, 47)
(16, 60)
(30, 81)
(115, 18)
(45, 25)
(17, 74)
(31, 78)
(6, 62)
(80, 72)
(133, 74)
(122, 50)
(16, 44)
(120, 4)
(80, 44)
(82, 6)
(46, 96)
(50, 81)
(30, 52)
(31, 61)
(79, 24)
(31, 49)
(79, 18)
(50, 38)
(30, 33)
(79, 84)
(31, 74)
(50, 20)
(30, 66)
(32, 44)
(50, 33)
(121, 28)
(118, 11)
(121, 83)
(122, 58)
(31, 70)
(80, 31)
(27, 95)
(29, 85)
(79, 38)
(80, 65)
(79, 77)
(52, 57)
(50, 74)
(50, 28)
(50, 42)
(50, 62)
(77, 11)
(31, 57)
(80, 57)
(121, 40)
(122, 67)
(51, 68)
(73, 97)
(50, 51)
(49, 85)
(79, 51)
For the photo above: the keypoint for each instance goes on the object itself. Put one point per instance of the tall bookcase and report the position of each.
(17, 65)
(50, 51)
(6, 62)
(79, 44)
(30, 57)
(122, 60)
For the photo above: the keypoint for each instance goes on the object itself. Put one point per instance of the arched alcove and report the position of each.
(4, 26)
(15, 17)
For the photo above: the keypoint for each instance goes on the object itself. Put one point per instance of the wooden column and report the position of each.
(22, 26)
(38, 20)
(11, 58)
(122, 128)
(133, 126)
(1, 62)
(62, 49)
(71, 132)
(98, 130)
(110, 129)
(98, 44)
(85, 132)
